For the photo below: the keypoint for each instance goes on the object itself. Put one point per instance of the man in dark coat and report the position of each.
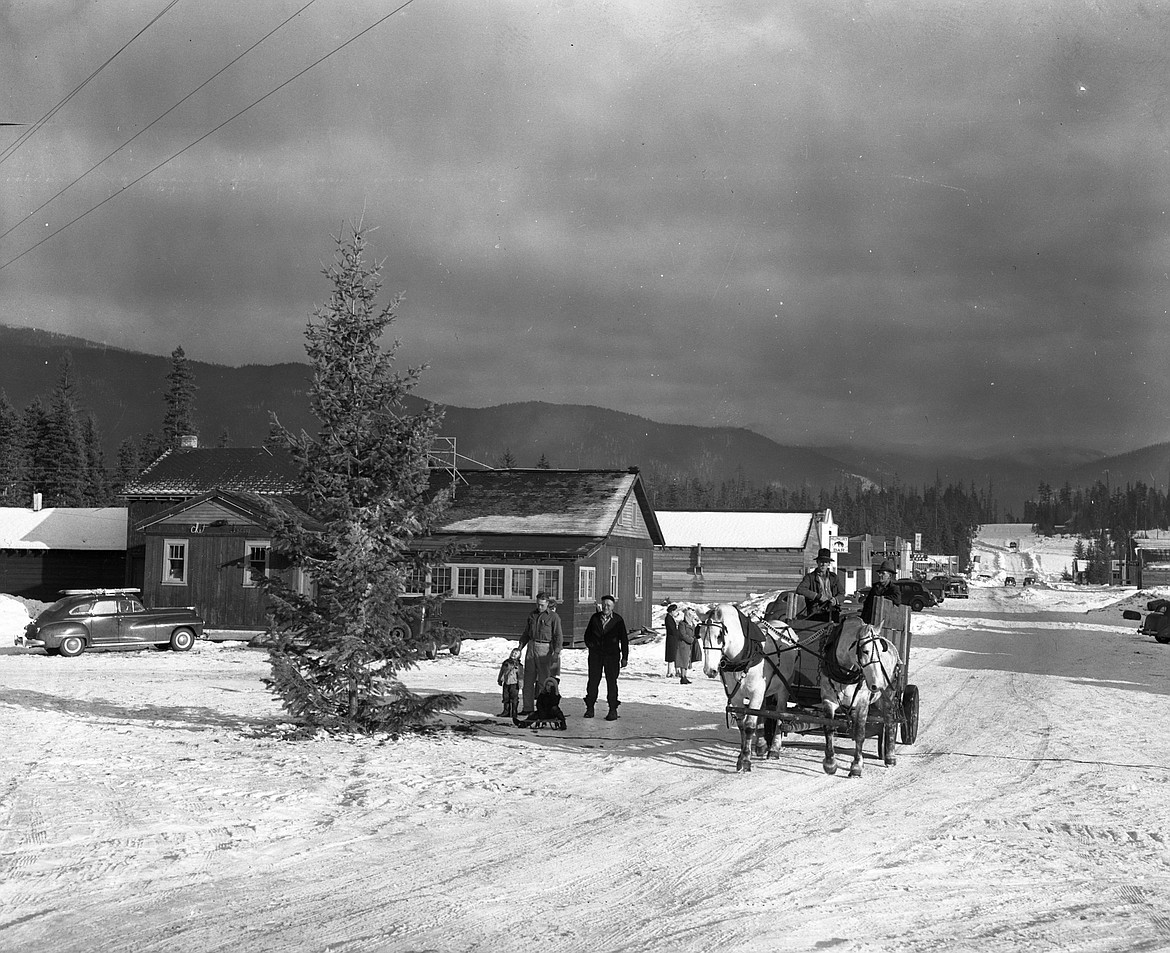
(609, 651)
(821, 589)
(884, 588)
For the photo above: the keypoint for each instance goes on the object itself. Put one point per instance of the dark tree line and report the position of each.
(53, 446)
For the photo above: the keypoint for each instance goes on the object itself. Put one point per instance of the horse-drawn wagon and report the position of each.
(807, 676)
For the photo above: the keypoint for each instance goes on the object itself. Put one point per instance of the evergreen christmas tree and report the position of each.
(179, 419)
(364, 477)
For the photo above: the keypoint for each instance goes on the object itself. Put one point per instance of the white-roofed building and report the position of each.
(43, 551)
(712, 556)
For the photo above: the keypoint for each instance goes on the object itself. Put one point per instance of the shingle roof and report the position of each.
(249, 505)
(63, 527)
(191, 472)
(544, 502)
(735, 530)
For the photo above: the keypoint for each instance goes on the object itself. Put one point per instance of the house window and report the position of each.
(468, 581)
(174, 570)
(637, 579)
(522, 584)
(613, 576)
(415, 582)
(586, 584)
(549, 580)
(493, 582)
(440, 580)
(255, 561)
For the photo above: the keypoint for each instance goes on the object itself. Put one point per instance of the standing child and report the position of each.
(509, 679)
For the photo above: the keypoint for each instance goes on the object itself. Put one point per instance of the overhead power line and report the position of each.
(210, 132)
(32, 130)
(157, 119)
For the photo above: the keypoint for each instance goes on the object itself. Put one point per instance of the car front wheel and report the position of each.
(917, 605)
(182, 640)
(72, 646)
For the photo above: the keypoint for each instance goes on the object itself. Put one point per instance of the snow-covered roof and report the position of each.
(735, 530)
(63, 527)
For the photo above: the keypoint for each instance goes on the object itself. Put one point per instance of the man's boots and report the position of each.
(613, 715)
(588, 708)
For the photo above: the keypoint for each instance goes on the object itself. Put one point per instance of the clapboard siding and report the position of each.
(41, 574)
(727, 574)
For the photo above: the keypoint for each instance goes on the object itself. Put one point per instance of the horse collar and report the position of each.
(753, 652)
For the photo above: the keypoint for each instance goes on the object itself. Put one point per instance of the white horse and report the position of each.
(756, 666)
(858, 668)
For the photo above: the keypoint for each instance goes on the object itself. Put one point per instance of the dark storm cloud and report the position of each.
(942, 223)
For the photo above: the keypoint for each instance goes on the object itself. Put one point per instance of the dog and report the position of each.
(548, 712)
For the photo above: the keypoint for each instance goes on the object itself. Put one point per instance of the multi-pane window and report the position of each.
(174, 562)
(468, 581)
(549, 580)
(256, 553)
(586, 584)
(415, 582)
(522, 584)
(613, 576)
(637, 579)
(493, 581)
(440, 579)
(510, 583)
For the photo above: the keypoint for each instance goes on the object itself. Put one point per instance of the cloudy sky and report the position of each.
(931, 223)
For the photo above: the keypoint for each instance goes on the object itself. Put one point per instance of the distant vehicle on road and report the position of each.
(915, 594)
(957, 588)
(84, 619)
(1009, 580)
(1029, 580)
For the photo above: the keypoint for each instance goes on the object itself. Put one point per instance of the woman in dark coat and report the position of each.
(672, 619)
(686, 645)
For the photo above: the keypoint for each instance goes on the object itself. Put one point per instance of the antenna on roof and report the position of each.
(443, 456)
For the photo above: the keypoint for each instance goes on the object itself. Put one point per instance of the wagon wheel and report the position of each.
(910, 710)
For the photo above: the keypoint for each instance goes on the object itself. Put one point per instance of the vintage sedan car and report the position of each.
(916, 595)
(109, 619)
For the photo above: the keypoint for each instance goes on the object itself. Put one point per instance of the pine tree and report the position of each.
(35, 430)
(12, 487)
(65, 474)
(97, 489)
(180, 400)
(128, 466)
(543, 464)
(364, 479)
(506, 461)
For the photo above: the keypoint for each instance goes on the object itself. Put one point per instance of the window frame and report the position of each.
(167, 579)
(265, 544)
(586, 584)
(509, 579)
(637, 578)
(615, 577)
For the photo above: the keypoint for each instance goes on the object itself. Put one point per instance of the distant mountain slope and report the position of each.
(124, 389)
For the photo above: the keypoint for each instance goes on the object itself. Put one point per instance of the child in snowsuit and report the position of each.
(511, 672)
(548, 712)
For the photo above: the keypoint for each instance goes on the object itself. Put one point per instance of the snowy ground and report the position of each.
(149, 801)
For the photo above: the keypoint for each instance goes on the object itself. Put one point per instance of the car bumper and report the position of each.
(25, 641)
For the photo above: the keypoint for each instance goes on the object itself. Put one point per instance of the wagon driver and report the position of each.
(884, 588)
(821, 589)
(542, 661)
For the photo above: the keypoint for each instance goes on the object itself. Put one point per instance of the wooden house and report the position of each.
(43, 551)
(196, 532)
(187, 473)
(575, 534)
(711, 556)
(209, 552)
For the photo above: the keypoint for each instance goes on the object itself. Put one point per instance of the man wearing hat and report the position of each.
(821, 590)
(543, 638)
(884, 588)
